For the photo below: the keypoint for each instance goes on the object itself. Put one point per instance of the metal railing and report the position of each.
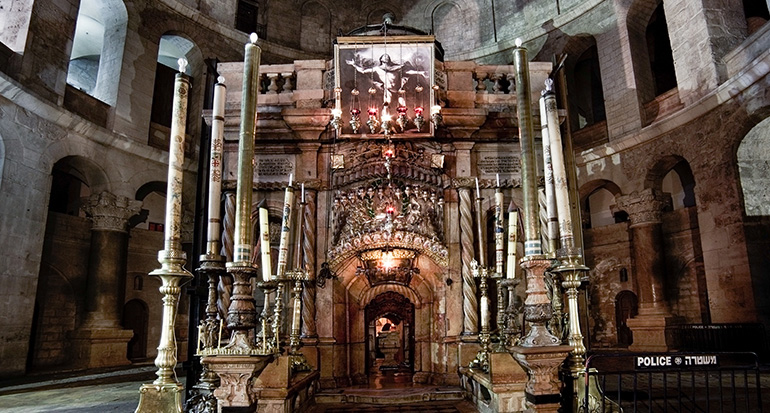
(675, 382)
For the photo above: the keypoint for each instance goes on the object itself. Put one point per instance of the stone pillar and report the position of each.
(101, 341)
(644, 209)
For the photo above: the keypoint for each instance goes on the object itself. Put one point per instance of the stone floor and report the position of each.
(109, 391)
(118, 391)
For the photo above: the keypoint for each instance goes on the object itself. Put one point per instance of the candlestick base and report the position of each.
(155, 398)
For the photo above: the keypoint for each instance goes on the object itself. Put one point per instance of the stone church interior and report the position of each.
(333, 206)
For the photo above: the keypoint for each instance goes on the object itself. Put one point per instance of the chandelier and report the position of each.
(387, 265)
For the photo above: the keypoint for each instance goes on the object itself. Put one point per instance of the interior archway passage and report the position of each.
(390, 348)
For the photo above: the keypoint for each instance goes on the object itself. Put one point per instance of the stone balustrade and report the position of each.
(277, 84)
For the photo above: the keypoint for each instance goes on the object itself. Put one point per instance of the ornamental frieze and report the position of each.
(387, 207)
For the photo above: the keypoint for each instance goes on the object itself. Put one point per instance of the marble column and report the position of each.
(645, 209)
(101, 341)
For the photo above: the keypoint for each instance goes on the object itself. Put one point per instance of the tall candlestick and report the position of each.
(243, 231)
(526, 140)
(242, 313)
(264, 234)
(499, 232)
(552, 230)
(283, 247)
(215, 167)
(559, 171)
(166, 392)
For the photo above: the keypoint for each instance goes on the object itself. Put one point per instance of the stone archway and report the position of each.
(390, 348)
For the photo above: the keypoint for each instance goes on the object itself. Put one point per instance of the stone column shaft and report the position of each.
(107, 257)
(645, 212)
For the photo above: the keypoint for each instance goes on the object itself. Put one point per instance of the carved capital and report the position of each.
(643, 207)
(110, 212)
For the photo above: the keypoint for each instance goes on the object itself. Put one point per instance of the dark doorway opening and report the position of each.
(626, 306)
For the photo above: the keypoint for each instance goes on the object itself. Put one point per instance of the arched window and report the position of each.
(599, 203)
(69, 183)
(170, 49)
(659, 51)
(153, 197)
(97, 48)
(680, 183)
(588, 93)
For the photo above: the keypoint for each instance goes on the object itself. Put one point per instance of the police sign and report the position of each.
(675, 361)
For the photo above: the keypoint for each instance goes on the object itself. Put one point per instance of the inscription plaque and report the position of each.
(273, 167)
(499, 164)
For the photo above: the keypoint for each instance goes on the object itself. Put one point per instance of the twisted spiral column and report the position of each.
(470, 302)
(309, 254)
(225, 285)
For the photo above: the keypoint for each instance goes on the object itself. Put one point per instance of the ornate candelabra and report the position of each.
(482, 357)
(298, 277)
(573, 274)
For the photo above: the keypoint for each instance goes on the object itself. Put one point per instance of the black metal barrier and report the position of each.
(672, 382)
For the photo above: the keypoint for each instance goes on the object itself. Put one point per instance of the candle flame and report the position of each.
(253, 38)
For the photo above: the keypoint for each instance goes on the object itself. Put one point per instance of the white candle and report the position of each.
(215, 166)
(559, 171)
(200, 337)
(484, 313)
(219, 342)
(264, 234)
(290, 177)
(513, 227)
(498, 180)
(303, 192)
(478, 190)
(283, 246)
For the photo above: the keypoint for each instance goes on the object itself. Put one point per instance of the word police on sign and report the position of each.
(676, 361)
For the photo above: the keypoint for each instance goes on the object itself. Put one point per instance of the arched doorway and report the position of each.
(136, 317)
(626, 306)
(389, 319)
